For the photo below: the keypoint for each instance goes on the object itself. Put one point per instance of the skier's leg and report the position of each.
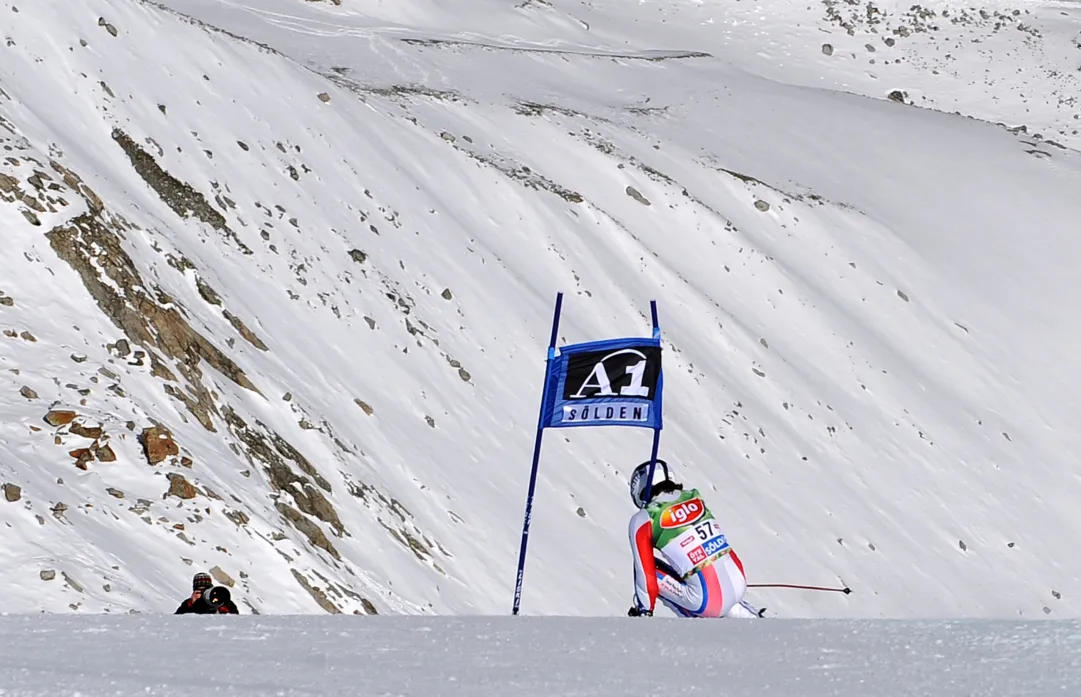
(734, 585)
(686, 598)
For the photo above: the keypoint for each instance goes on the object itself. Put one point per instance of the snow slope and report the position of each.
(534, 656)
(335, 232)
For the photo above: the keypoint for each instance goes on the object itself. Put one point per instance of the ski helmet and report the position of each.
(639, 481)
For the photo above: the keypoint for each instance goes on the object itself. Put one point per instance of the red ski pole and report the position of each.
(846, 590)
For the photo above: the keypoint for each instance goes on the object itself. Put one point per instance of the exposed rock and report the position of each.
(115, 493)
(761, 205)
(637, 196)
(369, 607)
(75, 585)
(238, 517)
(897, 96)
(184, 200)
(309, 529)
(259, 446)
(208, 294)
(158, 444)
(91, 432)
(123, 348)
(94, 250)
(108, 27)
(59, 417)
(358, 256)
(827, 49)
(47, 574)
(221, 577)
(324, 97)
(82, 457)
(181, 487)
(243, 330)
(446, 294)
(12, 492)
(318, 595)
(105, 453)
(28, 393)
(364, 406)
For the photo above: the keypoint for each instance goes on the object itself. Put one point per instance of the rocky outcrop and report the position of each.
(147, 316)
(158, 444)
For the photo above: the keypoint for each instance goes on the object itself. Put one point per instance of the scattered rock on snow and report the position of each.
(12, 492)
(47, 574)
(158, 444)
(75, 585)
(60, 417)
(827, 49)
(761, 205)
(91, 432)
(324, 97)
(108, 27)
(105, 453)
(221, 577)
(181, 487)
(28, 393)
(82, 457)
(637, 196)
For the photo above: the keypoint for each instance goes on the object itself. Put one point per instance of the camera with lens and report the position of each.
(216, 596)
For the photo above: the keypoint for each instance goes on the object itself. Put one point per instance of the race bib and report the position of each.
(687, 534)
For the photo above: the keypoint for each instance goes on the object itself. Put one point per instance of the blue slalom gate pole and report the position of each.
(656, 431)
(536, 460)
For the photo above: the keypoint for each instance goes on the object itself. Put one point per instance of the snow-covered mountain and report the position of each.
(279, 275)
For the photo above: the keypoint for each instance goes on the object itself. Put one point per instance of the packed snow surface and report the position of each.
(534, 657)
(305, 252)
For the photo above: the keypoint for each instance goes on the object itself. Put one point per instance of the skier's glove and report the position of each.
(636, 611)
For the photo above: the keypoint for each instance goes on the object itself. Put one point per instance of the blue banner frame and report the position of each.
(637, 403)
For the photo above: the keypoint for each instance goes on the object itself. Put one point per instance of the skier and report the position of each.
(680, 554)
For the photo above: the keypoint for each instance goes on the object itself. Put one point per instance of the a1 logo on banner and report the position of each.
(628, 372)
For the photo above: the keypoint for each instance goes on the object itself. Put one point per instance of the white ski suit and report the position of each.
(682, 557)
